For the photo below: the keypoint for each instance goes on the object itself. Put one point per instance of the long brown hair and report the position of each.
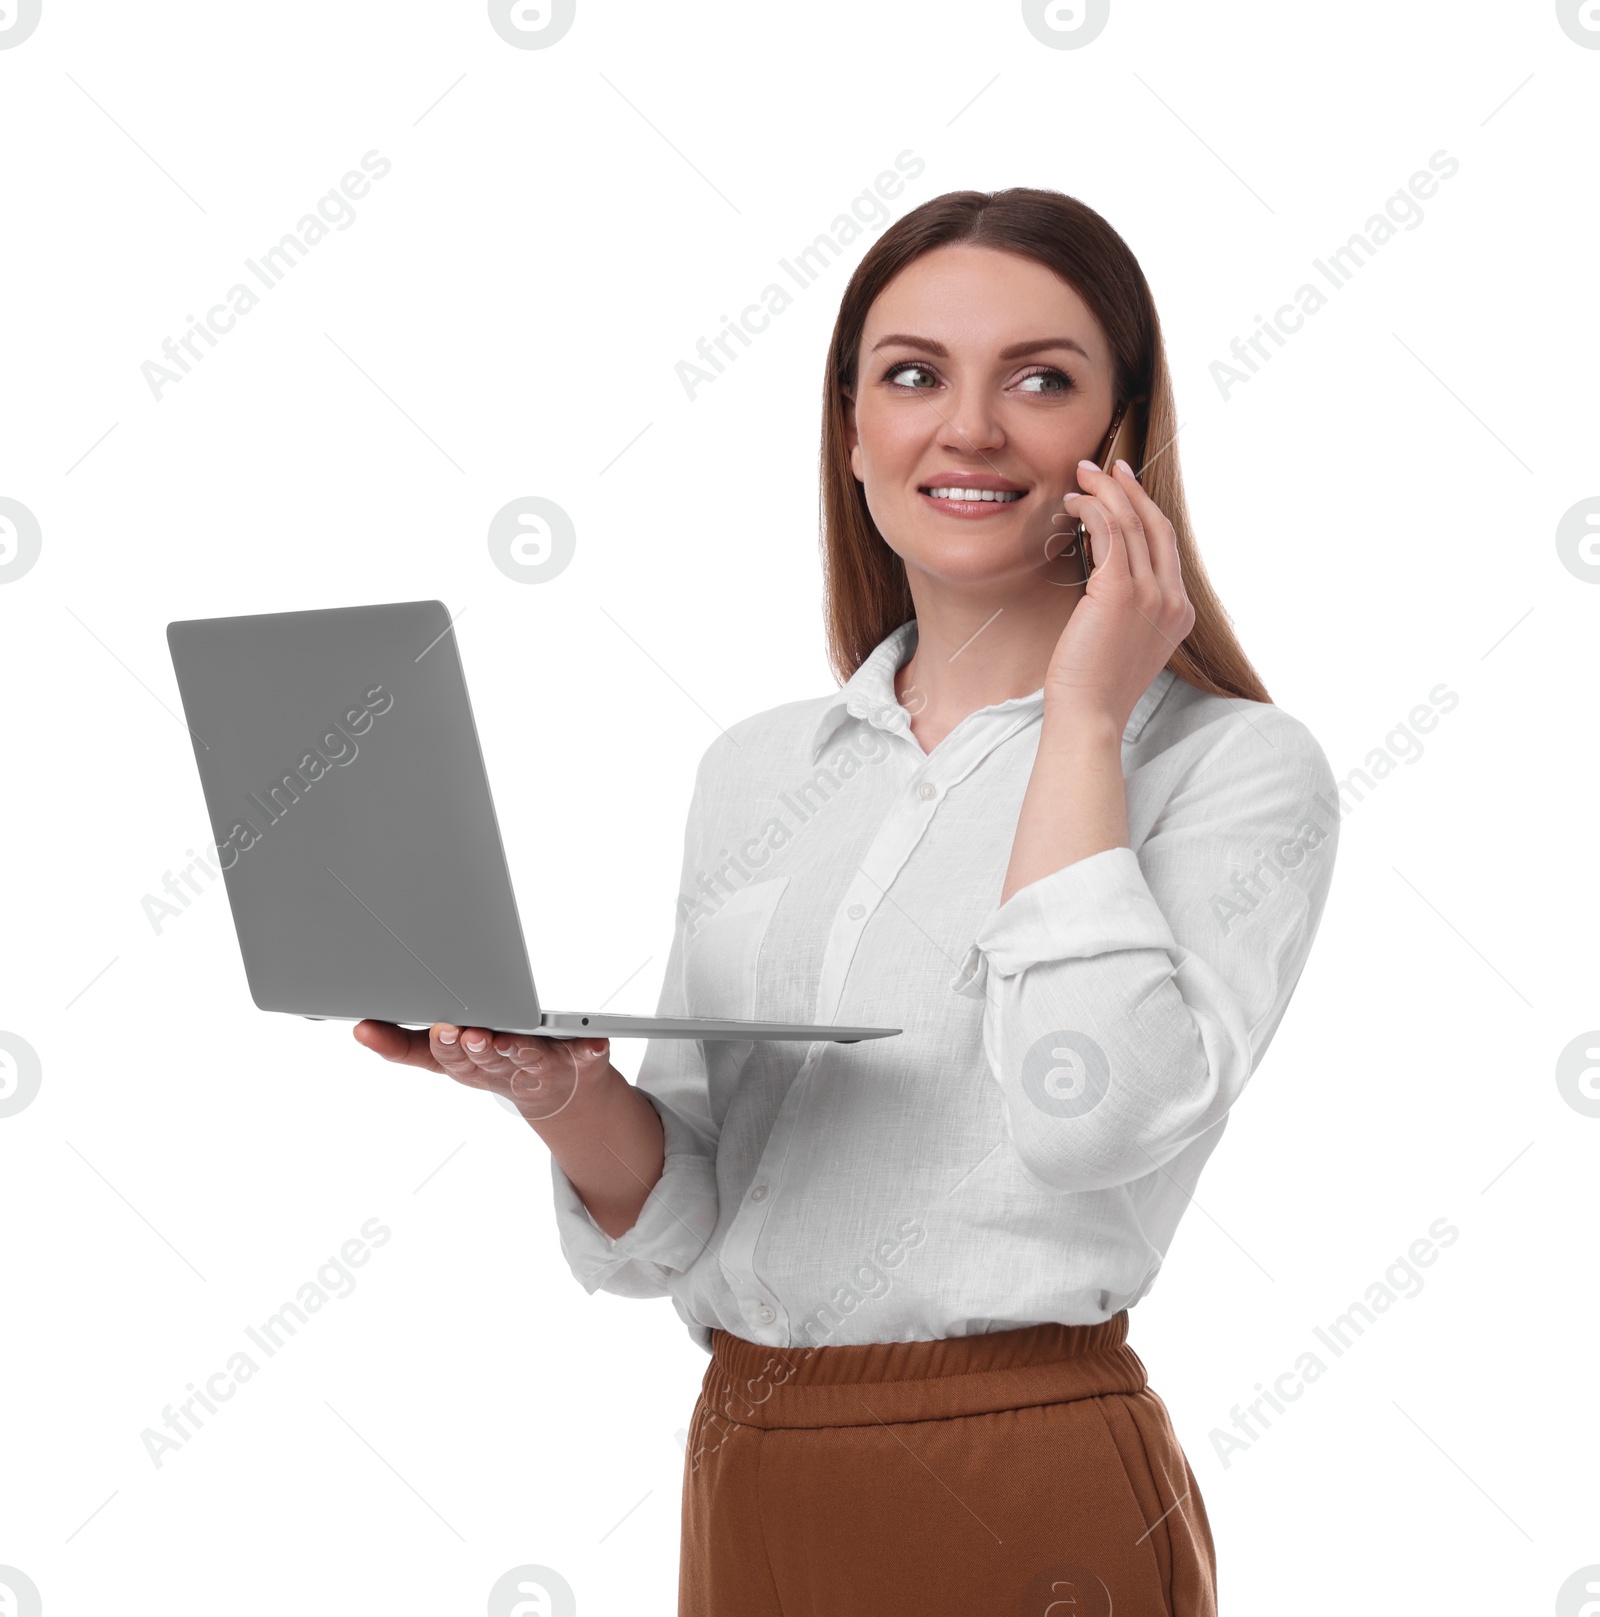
(867, 595)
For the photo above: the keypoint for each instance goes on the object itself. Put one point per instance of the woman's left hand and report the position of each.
(1134, 612)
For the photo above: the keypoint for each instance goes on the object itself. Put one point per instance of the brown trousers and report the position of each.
(1024, 1473)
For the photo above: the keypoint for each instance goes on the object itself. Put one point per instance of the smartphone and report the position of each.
(1123, 441)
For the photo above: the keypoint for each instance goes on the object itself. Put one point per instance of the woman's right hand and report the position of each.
(539, 1076)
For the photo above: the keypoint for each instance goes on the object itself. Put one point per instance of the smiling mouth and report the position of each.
(974, 495)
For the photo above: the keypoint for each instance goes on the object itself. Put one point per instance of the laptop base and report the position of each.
(602, 1025)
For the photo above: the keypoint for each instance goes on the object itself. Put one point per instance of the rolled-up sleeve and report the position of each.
(678, 1217)
(1129, 996)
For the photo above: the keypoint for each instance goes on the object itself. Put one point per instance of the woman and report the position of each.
(1056, 831)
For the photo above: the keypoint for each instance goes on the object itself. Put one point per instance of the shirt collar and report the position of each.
(869, 694)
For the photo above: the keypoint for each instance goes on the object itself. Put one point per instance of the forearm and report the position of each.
(607, 1140)
(1076, 802)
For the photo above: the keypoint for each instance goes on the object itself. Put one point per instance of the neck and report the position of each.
(976, 648)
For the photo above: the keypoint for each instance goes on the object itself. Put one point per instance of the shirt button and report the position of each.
(927, 790)
(856, 911)
(766, 1314)
(759, 1194)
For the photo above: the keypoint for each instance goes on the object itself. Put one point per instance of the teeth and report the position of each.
(1001, 496)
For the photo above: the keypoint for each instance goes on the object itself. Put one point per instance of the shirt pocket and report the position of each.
(722, 957)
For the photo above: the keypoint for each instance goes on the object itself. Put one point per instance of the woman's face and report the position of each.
(978, 369)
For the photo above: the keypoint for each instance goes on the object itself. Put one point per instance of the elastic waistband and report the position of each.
(860, 1384)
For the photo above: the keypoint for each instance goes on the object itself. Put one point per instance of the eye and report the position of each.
(907, 365)
(1050, 373)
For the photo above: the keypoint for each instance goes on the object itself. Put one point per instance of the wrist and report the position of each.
(1069, 725)
(574, 1103)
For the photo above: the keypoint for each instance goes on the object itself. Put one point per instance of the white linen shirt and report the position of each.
(1023, 1151)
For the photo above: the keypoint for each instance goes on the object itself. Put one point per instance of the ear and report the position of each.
(852, 438)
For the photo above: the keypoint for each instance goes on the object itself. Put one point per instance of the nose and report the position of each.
(970, 422)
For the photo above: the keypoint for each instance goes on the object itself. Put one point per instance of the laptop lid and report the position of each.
(352, 817)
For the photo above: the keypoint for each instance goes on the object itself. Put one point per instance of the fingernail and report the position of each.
(447, 1035)
(476, 1044)
(1090, 464)
(1123, 466)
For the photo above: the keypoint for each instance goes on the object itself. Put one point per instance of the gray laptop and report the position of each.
(358, 841)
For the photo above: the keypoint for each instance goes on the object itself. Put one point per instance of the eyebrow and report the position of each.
(1019, 350)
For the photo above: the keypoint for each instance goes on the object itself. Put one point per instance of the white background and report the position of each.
(1378, 509)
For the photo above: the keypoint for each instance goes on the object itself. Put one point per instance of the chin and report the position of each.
(972, 559)
(970, 565)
